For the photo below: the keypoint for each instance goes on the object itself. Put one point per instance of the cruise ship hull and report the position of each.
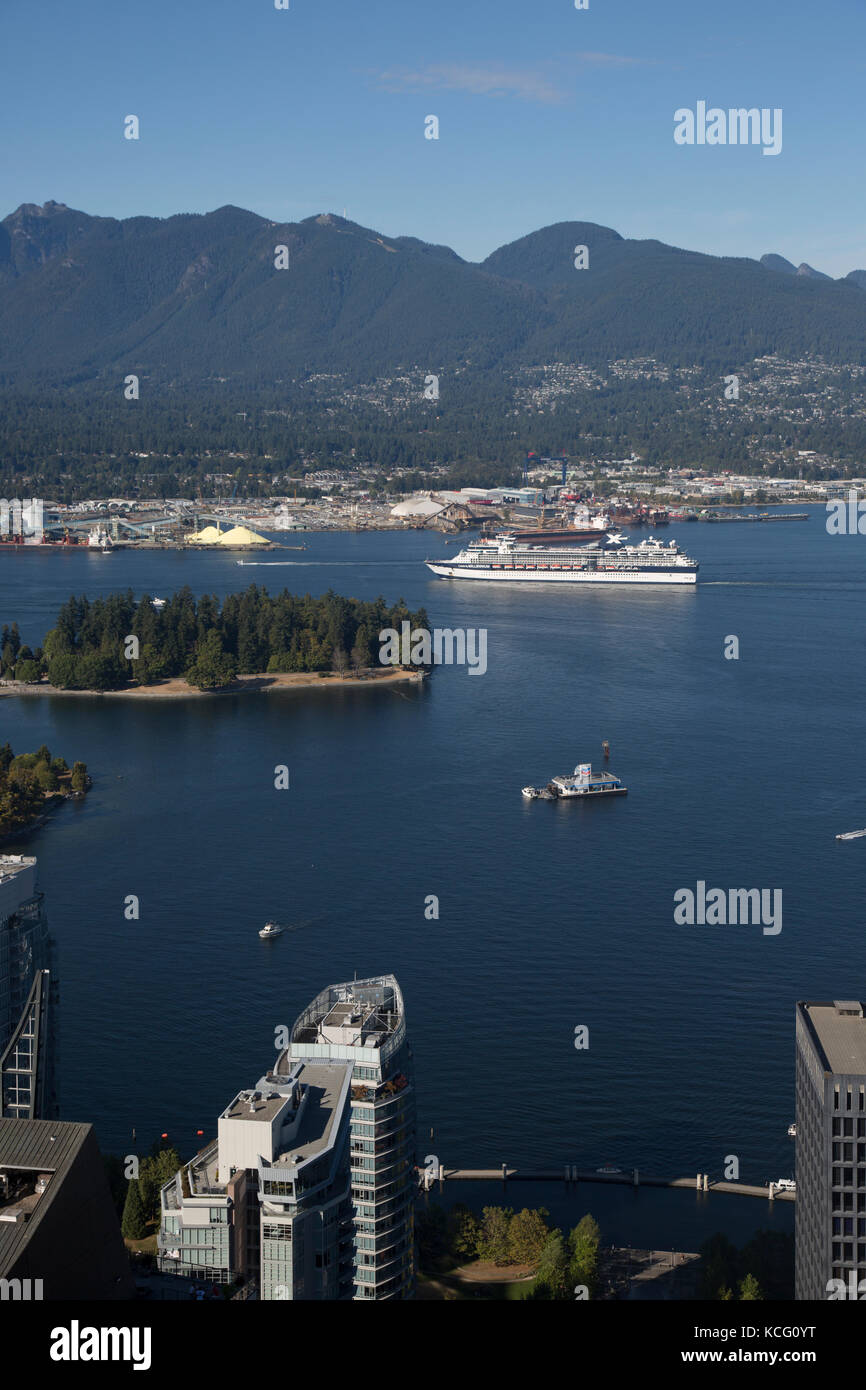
(563, 576)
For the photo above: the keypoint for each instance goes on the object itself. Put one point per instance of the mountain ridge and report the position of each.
(199, 294)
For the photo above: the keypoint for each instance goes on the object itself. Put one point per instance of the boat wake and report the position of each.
(331, 564)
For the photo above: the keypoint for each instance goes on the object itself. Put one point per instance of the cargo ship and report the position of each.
(583, 527)
(507, 558)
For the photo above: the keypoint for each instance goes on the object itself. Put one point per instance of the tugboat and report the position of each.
(271, 929)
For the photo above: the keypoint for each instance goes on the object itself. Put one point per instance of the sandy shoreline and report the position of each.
(176, 687)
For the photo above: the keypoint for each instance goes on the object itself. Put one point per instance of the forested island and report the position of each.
(31, 784)
(112, 643)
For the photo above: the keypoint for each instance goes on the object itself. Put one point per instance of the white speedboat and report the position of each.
(792, 1131)
(609, 1170)
(271, 929)
(157, 602)
(852, 835)
(529, 793)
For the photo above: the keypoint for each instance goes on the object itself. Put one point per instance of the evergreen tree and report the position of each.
(583, 1246)
(78, 780)
(133, 1225)
(750, 1289)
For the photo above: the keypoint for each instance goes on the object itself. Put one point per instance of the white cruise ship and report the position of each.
(650, 562)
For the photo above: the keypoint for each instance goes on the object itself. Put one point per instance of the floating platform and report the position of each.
(582, 782)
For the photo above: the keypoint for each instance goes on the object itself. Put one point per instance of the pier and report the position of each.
(572, 1176)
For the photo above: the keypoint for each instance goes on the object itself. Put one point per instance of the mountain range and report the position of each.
(195, 297)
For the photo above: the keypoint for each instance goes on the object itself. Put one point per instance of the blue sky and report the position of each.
(546, 114)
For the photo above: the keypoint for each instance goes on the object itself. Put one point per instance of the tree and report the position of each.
(27, 671)
(150, 665)
(340, 662)
(465, 1230)
(133, 1225)
(583, 1245)
(719, 1261)
(750, 1289)
(493, 1244)
(47, 777)
(213, 668)
(553, 1267)
(62, 670)
(527, 1236)
(361, 656)
(78, 780)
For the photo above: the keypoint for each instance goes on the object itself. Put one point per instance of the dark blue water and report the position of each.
(740, 773)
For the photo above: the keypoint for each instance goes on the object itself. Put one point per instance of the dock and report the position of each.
(760, 516)
(569, 1174)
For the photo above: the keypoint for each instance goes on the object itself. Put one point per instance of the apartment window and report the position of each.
(277, 1231)
(848, 1125)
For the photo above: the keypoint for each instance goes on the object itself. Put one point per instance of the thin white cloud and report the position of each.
(610, 60)
(492, 80)
(543, 83)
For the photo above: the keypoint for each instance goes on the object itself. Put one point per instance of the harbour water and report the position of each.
(740, 774)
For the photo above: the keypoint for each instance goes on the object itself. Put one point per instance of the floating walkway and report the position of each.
(571, 1174)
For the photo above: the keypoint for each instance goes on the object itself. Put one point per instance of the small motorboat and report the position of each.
(609, 1170)
(852, 835)
(271, 929)
(529, 793)
(158, 602)
(792, 1131)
